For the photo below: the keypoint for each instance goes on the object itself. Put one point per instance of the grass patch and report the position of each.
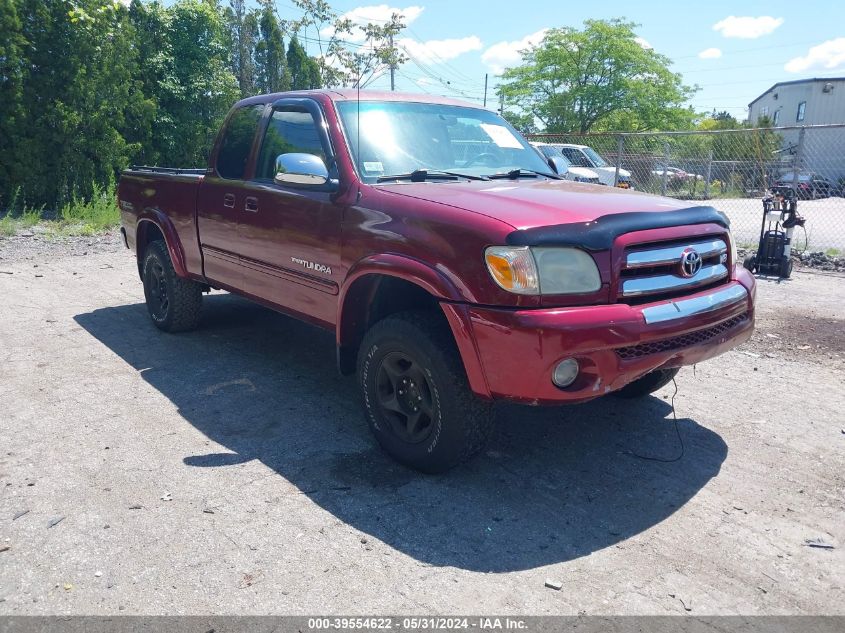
(833, 252)
(94, 215)
(80, 216)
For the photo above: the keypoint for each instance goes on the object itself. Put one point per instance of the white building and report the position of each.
(817, 101)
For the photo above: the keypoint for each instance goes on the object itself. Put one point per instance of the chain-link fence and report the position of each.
(728, 169)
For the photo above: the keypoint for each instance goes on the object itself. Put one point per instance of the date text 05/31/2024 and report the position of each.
(417, 623)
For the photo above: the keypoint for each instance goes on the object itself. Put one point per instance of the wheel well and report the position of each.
(146, 235)
(370, 299)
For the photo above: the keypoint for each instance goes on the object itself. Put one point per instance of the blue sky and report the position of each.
(749, 46)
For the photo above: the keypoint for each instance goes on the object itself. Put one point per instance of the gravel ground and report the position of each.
(229, 470)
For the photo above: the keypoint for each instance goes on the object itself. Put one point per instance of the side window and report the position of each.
(802, 107)
(237, 141)
(575, 156)
(291, 130)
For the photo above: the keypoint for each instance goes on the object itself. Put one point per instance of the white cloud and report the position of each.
(747, 28)
(436, 51)
(507, 54)
(710, 53)
(643, 42)
(373, 14)
(829, 55)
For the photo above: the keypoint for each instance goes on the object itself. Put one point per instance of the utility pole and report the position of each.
(392, 65)
(502, 103)
(485, 90)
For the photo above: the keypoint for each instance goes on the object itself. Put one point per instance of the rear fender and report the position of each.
(144, 231)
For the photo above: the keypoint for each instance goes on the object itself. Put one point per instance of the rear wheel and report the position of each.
(173, 303)
(416, 397)
(786, 267)
(648, 384)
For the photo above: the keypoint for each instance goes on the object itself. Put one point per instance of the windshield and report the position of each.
(399, 137)
(598, 161)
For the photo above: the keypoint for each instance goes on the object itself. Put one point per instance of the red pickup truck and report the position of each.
(454, 266)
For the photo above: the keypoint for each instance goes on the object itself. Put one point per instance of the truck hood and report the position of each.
(525, 204)
(583, 172)
(623, 173)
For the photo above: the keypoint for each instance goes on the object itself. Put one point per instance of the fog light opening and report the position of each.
(565, 373)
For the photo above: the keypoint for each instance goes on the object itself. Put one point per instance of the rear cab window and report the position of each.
(236, 144)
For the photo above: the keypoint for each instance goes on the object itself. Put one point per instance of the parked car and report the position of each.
(808, 185)
(449, 282)
(584, 156)
(674, 173)
(564, 167)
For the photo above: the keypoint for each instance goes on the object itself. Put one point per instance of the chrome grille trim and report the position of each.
(658, 284)
(672, 310)
(672, 254)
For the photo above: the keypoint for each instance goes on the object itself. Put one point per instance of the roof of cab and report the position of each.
(346, 94)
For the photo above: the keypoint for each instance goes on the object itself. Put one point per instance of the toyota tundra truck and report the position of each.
(453, 266)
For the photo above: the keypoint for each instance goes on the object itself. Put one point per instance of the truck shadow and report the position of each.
(553, 485)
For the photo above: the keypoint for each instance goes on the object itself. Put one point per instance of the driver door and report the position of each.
(293, 233)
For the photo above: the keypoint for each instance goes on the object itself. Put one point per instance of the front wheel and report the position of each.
(173, 303)
(648, 384)
(415, 393)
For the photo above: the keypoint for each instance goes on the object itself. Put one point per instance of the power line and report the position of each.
(758, 48)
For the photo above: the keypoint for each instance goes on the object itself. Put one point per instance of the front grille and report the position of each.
(656, 271)
(680, 342)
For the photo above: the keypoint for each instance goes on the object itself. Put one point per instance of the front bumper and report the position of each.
(517, 350)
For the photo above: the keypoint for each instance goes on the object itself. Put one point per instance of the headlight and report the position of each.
(549, 271)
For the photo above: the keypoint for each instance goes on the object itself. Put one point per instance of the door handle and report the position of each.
(229, 200)
(251, 204)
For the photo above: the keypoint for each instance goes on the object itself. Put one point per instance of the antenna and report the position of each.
(358, 132)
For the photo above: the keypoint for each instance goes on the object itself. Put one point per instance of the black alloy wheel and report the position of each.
(405, 397)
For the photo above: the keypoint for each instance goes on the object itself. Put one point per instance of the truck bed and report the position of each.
(159, 193)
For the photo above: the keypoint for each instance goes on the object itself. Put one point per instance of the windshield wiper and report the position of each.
(515, 174)
(421, 175)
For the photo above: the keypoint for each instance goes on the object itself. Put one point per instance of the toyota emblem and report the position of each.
(690, 262)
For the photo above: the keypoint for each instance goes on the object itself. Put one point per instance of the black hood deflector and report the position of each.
(599, 234)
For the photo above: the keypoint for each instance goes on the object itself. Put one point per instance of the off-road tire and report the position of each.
(461, 423)
(750, 263)
(183, 296)
(648, 384)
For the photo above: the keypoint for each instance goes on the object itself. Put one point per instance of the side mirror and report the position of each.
(558, 165)
(303, 170)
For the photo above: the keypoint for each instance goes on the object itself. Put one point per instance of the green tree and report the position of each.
(243, 32)
(304, 70)
(271, 67)
(79, 97)
(187, 74)
(11, 107)
(597, 78)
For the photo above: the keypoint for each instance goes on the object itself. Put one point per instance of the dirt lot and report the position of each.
(230, 470)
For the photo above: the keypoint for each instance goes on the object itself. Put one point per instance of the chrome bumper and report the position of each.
(684, 308)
